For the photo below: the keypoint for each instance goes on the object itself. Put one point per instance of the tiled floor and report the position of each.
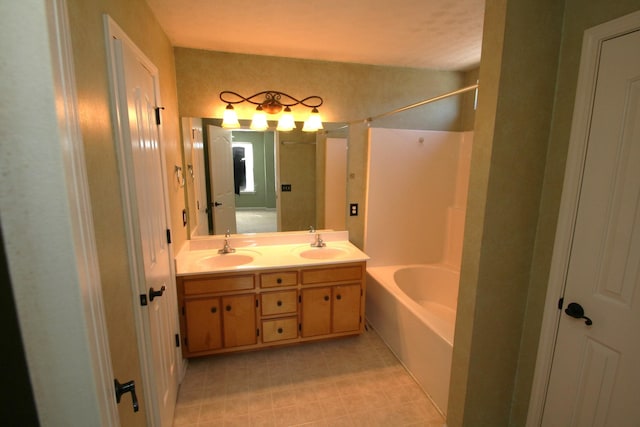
(352, 381)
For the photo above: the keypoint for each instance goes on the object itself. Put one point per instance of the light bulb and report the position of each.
(230, 118)
(314, 122)
(286, 122)
(259, 120)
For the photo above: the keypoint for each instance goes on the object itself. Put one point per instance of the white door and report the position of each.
(223, 200)
(148, 208)
(200, 183)
(596, 368)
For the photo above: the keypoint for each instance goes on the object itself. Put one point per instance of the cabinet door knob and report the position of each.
(279, 280)
(326, 297)
(280, 330)
(228, 308)
(338, 296)
(279, 303)
(214, 309)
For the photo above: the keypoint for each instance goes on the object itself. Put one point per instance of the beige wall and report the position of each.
(350, 91)
(135, 18)
(521, 137)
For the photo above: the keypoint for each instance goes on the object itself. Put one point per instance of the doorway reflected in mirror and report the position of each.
(256, 220)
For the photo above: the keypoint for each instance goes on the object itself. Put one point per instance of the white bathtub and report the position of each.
(412, 307)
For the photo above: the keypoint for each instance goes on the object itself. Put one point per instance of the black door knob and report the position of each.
(575, 310)
(154, 294)
(128, 387)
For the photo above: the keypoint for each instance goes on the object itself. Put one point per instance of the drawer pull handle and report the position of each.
(214, 309)
(279, 303)
(280, 330)
(326, 297)
(228, 308)
(279, 280)
(338, 296)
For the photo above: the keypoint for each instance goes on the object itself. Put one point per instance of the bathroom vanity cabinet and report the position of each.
(233, 311)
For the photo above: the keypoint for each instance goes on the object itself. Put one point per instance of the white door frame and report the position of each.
(585, 93)
(53, 259)
(112, 30)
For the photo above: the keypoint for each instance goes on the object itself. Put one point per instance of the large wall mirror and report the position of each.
(249, 181)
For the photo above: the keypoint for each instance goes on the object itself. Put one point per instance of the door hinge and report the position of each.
(300, 326)
(168, 236)
(300, 298)
(143, 299)
(257, 303)
(186, 342)
(258, 332)
(178, 340)
(560, 303)
(183, 312)
(158, 115)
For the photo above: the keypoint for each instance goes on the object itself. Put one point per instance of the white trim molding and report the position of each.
(581, 122)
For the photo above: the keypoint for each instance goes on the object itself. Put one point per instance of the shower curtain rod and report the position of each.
(418, 104)
(408, 107)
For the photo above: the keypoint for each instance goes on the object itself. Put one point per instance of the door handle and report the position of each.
(575, 310)
(153, 294)
(128, 387)
(216, 204)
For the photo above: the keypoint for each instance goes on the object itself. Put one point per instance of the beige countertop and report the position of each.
(266, 251)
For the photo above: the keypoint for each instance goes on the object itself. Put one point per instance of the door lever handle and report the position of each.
(153, 294)
(128, 387)
(575, 310)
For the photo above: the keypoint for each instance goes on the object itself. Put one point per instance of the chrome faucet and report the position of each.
(226, 249)
(319, 243)
(311, 229)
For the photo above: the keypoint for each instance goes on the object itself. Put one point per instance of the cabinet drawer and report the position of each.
(334, 274)
(207, 285)
(279, 302)
(279, 329)
(283, 278)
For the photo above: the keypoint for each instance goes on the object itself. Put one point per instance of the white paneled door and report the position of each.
(223, 199)
(596, 367)
(145, 183)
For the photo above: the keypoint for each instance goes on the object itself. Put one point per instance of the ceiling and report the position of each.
(434, 34)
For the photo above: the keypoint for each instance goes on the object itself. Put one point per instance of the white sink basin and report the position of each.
(224, 260)
(323, 253)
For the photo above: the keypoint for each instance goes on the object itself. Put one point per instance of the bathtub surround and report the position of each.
(416, 198)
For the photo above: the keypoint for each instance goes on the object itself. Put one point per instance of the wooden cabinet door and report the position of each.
(316, 311)
(346, 308)
(239, 320)
(203, 324)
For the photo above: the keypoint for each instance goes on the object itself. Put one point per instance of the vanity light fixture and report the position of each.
(271, 102)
